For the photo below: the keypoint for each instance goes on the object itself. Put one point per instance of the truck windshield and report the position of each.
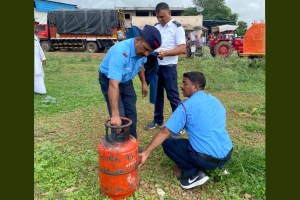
(40, 28)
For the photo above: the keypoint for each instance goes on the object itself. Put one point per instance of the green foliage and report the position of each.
(238, 74)
(253, 127)
(59, 174)
(216, 10)
(241, 30)
(73, 84)
(68, 125)
(190, 12)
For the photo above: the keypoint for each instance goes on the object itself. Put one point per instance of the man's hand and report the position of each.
(156, 141)
(143, 157)
(161, 54)
(144, 90)
(116, 121)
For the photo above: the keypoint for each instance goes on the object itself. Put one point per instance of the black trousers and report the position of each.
(127, 100)
(167, 79)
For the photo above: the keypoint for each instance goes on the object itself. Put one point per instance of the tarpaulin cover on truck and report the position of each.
(84, 21)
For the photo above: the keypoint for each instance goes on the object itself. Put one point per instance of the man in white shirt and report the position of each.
(173, 44)
(39, 61)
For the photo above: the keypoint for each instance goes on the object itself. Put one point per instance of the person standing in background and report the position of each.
(188, 47)
(173, 44)
(203, 39)
(211, 36)
(197, 42)
(39, 61)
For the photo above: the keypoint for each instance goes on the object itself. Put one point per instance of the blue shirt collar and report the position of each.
(198, 92)
(132, 49)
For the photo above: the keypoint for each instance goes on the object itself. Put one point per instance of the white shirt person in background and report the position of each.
(39, 61)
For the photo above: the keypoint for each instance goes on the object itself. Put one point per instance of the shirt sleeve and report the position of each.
(177, 120)
(180, 36)
(116, 65)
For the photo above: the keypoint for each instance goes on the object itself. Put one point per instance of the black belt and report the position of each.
(170, 65)
(212, 159)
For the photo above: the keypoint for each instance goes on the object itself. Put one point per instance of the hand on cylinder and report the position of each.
(116, 121)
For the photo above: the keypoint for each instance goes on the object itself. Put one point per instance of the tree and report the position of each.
(191, 11)
(241, 30)
(216, 10)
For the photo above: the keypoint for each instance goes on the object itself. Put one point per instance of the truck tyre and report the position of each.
(92, 47)
(46, 46)
(102, 49)
(223, 49)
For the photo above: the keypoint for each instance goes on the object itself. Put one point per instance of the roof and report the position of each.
(45, 6)
(223, 28)
(208, 23)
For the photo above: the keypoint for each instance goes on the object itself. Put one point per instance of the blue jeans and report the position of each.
(167, 79)
(127, 100)
(182, 153)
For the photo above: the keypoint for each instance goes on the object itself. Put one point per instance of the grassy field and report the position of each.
(68, 125)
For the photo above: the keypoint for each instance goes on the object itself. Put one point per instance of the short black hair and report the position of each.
(196, 78)
(161, 6)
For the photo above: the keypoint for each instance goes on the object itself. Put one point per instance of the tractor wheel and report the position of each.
(46, 46)
(223, 49)
(92, 47)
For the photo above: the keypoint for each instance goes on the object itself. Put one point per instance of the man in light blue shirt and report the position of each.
(204, 118)
(120, 65)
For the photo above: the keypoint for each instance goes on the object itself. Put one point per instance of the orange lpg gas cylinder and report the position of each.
(118, 161)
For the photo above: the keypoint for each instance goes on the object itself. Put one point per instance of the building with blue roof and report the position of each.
(42, 7)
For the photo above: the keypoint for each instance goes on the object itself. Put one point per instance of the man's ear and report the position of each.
(197, 87)
(138, 38)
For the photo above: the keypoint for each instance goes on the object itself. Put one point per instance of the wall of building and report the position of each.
(189, 23)
(40, 17)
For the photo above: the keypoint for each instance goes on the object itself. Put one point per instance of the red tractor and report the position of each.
(225, 41)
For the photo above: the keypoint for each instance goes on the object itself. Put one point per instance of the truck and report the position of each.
(91, 29)
(226, 41)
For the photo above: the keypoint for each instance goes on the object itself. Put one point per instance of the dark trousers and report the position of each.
(167, 79)
(188, 52)
(182, 153)
(127, 100)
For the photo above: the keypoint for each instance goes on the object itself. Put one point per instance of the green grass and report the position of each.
(68, 125)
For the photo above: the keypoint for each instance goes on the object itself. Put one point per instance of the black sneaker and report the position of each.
(153, 125)
(194, 181)
(176, 136)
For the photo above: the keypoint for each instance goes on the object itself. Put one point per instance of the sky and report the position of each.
(248, 10)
